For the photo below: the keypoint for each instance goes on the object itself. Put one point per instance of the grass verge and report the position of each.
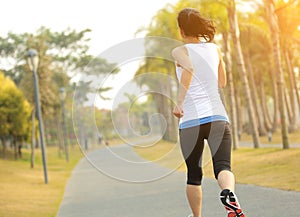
(269, 167)
(22, 189)
(276, 138)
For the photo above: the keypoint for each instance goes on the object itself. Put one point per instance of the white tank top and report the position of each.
(202, 103)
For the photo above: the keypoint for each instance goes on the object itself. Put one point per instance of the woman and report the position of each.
(201, 72)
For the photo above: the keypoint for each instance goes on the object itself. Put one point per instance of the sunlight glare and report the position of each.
(142, 99)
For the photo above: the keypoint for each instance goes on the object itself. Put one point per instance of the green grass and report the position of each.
(270, 167)
(276, 138)
(22, 189)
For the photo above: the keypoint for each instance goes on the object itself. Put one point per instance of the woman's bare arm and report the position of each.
(222, 80)
(180, 54)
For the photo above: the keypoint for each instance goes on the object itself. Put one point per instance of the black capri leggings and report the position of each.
(218, 136)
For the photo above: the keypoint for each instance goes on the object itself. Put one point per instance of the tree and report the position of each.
(14, 115)
(235, 34)
(274, 29)
(62, 55)
(234, 30)
(218, 13)
(288, 22)
(253, 86)
(159, 63)
(256, 46)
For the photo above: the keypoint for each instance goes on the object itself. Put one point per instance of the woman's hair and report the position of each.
(192, 24)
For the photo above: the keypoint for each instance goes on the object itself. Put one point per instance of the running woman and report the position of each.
(201, 72)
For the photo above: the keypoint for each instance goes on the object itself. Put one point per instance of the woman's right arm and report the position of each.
(181, 56)
(222, 80)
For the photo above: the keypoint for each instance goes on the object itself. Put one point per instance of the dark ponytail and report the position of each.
(192, 24)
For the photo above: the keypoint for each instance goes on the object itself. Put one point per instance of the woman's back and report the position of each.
(203, 99)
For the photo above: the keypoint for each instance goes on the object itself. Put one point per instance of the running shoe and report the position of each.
(230, 202)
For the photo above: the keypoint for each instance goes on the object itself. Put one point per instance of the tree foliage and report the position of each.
(14, 113)
(62, 56)
(256, 46)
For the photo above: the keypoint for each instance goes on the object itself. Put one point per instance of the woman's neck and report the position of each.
(191, 40)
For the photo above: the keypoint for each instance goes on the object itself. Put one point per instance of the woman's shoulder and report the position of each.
(212, 44)
(179, 51)
(213, 47)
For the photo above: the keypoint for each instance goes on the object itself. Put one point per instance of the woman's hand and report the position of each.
(178, 111)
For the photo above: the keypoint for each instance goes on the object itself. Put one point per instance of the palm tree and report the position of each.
(254, 95)
(288, 22)
(256, 44)
(234, 29)
(233, 106)
(218, 13)
(158, 63)
(274, 29)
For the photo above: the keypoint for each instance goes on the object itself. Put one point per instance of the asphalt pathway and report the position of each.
(116, 182)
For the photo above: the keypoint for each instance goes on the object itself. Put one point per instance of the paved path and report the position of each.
(90, 193)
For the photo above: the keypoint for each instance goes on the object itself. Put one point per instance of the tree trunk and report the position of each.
(37, 141)
(32, 146)
(163, 108)
(275, 98)
(16, 153)
(47, 131)
(264, 107)
(4, 147)
(20, 146)
(59, 137)
(232, 102)
(293, 94)
(234, 28)
(273, 26)
(158, 99)
(287, 102)
(173, 124)
(240, 118)
(254, 96)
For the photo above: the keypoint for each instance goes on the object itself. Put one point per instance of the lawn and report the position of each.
(294, 138)
(270, 167)
(22, 189)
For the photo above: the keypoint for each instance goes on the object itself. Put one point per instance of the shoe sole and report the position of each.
(226, 195)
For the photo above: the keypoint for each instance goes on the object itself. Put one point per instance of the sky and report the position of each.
(111, 22)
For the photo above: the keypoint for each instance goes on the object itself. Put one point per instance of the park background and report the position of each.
(260, 44)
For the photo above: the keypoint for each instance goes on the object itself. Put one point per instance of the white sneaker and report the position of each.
(190, 215)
